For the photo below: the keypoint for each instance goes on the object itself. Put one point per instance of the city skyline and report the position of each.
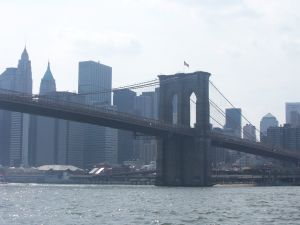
(262, 53)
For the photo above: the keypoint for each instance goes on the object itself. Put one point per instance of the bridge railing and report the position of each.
(58, 102)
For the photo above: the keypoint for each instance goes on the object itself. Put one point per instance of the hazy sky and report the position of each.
(251, 47)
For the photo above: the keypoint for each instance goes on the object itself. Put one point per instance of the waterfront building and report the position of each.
(124, 101)
(292, 113)
(95, 83)
(234, 121)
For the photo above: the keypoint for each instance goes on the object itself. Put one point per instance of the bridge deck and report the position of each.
(255, 148)
(52, 107)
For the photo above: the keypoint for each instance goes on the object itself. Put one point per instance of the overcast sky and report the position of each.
(251, 47)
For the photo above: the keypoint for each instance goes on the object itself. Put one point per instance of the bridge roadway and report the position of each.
(57, 108)
(51, 107)
(256, 148)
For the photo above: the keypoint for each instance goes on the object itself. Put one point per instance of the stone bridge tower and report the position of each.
(183, 160)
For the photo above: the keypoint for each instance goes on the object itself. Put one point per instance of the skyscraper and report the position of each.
(57, 141)
(16, 124)
(249, 132)
(24, 75)
(266, 122)
(48, 84)
(292, 113)
(7, 81)
(286, 137)
(95, 82)
(233, 123)
(124, 101)
(146, 105)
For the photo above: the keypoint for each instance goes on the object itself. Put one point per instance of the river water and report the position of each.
(30, 204)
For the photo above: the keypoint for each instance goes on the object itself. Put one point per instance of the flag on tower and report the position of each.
(186, 64)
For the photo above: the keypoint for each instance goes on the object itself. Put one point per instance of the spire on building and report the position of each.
(24, 55)
(48, 74)
(47, 83)
(24, 74)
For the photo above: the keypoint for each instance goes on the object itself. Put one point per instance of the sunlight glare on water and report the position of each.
(30, 204)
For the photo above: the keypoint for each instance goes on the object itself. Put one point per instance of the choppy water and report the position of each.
(31, 204)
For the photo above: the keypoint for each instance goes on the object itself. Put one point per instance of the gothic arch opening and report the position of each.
(175, 109)
(193, 101)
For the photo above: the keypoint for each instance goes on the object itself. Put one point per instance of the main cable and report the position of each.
(244, 117)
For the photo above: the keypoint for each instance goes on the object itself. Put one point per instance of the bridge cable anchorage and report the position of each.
(243, 116)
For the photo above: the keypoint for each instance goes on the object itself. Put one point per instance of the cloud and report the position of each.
(292, 47)
(95, 44)
(209, 3)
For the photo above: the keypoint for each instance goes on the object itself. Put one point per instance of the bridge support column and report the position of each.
(183, 161)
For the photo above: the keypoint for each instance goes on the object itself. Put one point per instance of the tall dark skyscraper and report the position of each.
(97, 78)
(233, 122)
(16, 124)
(124, 101)
(95, 82)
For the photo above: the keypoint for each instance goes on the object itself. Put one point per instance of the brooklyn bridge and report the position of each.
(183, 157)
